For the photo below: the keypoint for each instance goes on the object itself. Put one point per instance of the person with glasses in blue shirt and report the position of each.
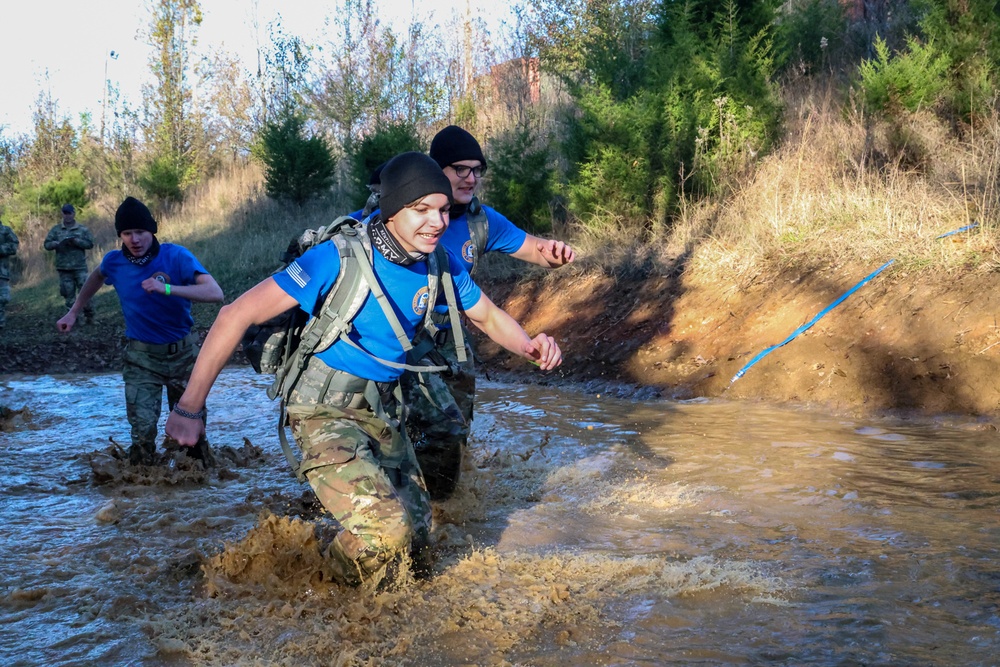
(441, 404)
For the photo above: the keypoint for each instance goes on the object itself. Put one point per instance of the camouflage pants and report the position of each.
(4, 300)
(147, 370)
(364, 472)
(70, 282)
(439, 415)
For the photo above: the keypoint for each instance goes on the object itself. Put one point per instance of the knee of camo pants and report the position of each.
(381, 512)
(67, 286)
(142, 407)
(143, 397)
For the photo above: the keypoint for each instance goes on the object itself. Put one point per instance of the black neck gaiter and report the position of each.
(390, 248)
(153, 251)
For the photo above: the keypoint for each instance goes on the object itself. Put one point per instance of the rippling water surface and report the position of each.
(589, 530)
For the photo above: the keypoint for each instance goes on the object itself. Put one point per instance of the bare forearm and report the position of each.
(205, 290)
(499, 326)
(547, 253)
(260, 304)
(218, 347)
(90, 287)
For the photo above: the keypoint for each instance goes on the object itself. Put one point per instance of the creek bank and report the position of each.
(908, 341)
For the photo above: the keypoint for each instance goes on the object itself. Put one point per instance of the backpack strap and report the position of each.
(479, 229)
(452, 300)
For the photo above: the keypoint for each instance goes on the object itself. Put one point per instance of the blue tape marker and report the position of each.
(811, 322)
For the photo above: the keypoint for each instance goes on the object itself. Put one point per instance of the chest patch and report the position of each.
(420, 301)
(469, 251)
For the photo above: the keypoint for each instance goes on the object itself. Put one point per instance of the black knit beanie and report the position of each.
(407, 178)
(133, 214)
(453, 144)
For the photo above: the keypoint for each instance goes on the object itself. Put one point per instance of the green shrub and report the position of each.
(68, 188)
(810, 35)
(296, 168)
(161, 179)
(386, 141)
(968, 31)
(911, 79)
(519, 183)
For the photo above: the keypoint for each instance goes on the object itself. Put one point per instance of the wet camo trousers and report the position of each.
(364, 472)
(70, 282)
(439, 415)
(146, 374)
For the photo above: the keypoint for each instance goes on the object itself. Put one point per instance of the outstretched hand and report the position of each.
(556, 253)
(545, 352)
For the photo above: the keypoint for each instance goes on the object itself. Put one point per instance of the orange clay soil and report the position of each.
(914, 342)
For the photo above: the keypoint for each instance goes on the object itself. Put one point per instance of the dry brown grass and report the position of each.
(841, 188)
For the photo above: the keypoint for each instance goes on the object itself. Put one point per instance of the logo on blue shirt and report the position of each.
(420, 300)
(469, 252)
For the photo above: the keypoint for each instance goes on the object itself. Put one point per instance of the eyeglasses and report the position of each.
(462, 170)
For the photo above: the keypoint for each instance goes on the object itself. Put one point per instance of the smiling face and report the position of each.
(137, 241)
(418, 227)
(463, 187)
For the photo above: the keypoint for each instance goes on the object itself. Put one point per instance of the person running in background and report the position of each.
(156, 284)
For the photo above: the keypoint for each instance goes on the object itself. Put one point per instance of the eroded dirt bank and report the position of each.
(908, 341)
(922, 342)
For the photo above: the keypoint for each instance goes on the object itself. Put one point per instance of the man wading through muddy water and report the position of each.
(344, 408)
(156, 285)
(441, 405)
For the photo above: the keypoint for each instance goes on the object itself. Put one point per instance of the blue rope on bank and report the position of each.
(832, 306)
(959, 230)
(811, 322)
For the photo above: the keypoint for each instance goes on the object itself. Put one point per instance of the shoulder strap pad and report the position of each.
(479, 229)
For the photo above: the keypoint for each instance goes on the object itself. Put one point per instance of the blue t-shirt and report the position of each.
(311, 277)
(504, 236)
(153, 318)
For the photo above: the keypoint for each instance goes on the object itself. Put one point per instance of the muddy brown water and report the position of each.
(589, 530)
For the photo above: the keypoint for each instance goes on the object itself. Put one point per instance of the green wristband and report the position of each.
(166, 289)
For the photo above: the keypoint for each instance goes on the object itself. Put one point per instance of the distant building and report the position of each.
(517, 75)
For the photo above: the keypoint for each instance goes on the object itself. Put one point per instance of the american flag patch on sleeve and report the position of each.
(297, 274)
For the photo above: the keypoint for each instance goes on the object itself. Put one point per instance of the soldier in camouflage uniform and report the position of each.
(156, 284)
(441, 405)
(344, 409)
(71, 241)
(8, 248)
